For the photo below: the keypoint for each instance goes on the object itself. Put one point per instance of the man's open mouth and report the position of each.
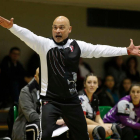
(58, 36)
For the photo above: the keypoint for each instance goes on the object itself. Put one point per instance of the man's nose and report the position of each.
(58, 30)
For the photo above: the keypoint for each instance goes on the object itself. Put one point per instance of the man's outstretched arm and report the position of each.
(32, 40)
(6, 23)
(89, 50)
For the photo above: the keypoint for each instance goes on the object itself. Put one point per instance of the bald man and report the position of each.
(27, 109)
(59, 63)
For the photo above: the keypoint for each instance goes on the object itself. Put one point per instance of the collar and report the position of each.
(61, 43)
(33, 84)
(36, 85)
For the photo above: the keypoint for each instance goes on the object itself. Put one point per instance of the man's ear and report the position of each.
(70, 29)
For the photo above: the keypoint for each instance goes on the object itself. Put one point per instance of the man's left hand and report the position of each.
(132, 49)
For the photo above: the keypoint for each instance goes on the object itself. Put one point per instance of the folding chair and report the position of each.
(32, 132)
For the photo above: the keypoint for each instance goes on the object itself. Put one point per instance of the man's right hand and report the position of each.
(6, 23)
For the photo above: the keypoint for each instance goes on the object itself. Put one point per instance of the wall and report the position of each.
(38, 18)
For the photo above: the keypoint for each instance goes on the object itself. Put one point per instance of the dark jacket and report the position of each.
(26, 110)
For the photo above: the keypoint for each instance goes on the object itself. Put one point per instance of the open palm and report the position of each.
(134, 50)
(6, 23)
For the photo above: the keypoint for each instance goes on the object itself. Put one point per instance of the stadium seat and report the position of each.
(15, 112)
(104, 110)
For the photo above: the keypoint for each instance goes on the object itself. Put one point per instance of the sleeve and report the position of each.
(83, 103)
(125, 120)
(123, 107)
(89, 50)
(33, 41)
(27, 106)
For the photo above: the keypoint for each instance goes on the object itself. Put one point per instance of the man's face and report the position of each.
(60, 29)
(14, 55)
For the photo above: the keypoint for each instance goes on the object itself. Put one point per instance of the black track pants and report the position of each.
(72, 114)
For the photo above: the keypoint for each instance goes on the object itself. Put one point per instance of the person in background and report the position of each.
(83, 70)
(108, 96)
(126, 113)
(97, 129)
(125, 87)
(27, 108)
(11, 77)
(132, 71)
(117, 70)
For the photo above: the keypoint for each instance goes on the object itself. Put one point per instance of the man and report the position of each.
(59, 63)
(27, 112)
(12, 77)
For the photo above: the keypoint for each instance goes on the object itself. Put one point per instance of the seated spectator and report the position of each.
(97, 129)
(117, 70)
(28, 111)
(125, 87)
(12, 77)
(131, 71)
(27, 108)
(127, 114)
(108, 96)
(83, 70)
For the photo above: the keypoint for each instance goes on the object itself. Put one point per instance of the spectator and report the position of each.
(83, 70)
(117, 70)
(125, 87)
(12, 77)
(132, 72)
(108, 96)
(127, 113)
(97, 129)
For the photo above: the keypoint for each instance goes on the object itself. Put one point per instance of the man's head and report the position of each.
(37, 75)
(14, 54)
(61, 29)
